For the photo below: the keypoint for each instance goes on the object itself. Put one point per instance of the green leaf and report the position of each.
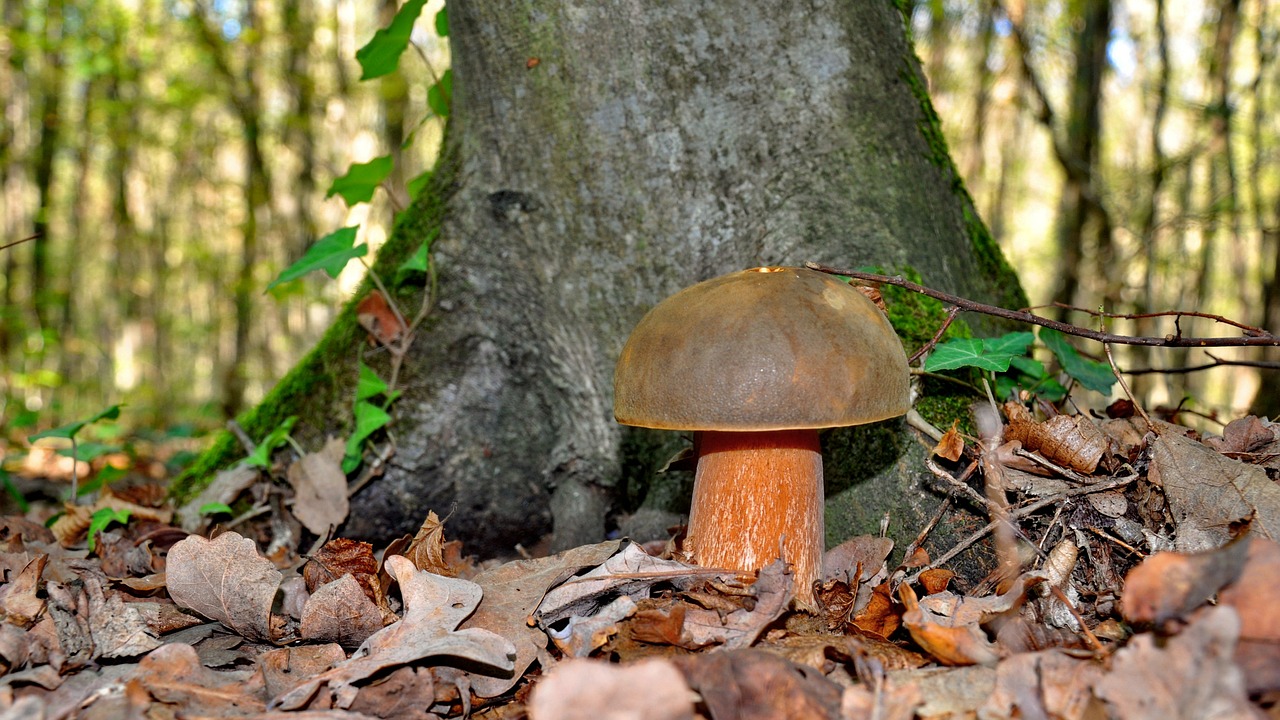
(330, 253)
(442, 22)
(438, 95)
(420, 260)
(261, 456)
(1092, 374)
(381, 55)
(89, 451)
(102, 518)
(416, 184)
(103, 477)
(1029, 367)
(369, 418)
(214, 508)
(1013, 344)
(361, 180)
(69, 430)
(369, 385)
(965, 352)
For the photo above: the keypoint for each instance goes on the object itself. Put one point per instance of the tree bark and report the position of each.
(650, 146)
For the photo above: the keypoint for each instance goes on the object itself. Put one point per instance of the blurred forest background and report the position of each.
(165, 159)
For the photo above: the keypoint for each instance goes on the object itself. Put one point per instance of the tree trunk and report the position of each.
(650, 146)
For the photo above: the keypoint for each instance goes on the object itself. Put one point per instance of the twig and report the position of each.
(960, 487)
(1217, 362)
(1018, 514)
(933, 341)
(1175, 341)
(1125, 386)
(28, 238)
(1248, 329)
(1088, 634)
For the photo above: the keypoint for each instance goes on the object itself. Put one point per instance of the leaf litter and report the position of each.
(1137, 577)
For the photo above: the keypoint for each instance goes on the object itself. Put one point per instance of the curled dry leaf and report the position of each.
(963, 644)
(582, 636)
(591, 689)
(375, 315)
(741, 627)
(21, 605)
(951, 446)
(225, 579)
(1070, 440)
(341, 612)
(320, 488)
(336, 558)
(434, 606)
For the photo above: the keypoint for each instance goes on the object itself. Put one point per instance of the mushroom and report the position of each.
(756, 362)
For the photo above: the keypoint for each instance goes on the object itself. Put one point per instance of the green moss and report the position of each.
(942, 403)
(320, 383)
(916, 317)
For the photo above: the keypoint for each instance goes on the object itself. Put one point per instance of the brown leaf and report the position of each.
(863, 556)
(1244, 435)
(405, 694)
(583, 635)
(336, 558)
(1169, 585)
(341, 612)
(935, 580)
(511, 594)
(1207, 492)
(225, 580)
(880, 617)
(951, 446)
(428, 548)
(659, 625)
(375, 315)
(1188, 675)
(22, 607)
(320, 487)
(119, 629)
(749, 684)
(1044, 684)
(285, 668)
(173, 674)
(591, 689)
(740, 628)
(1255, 597)
(1070, 440)
(434, 606)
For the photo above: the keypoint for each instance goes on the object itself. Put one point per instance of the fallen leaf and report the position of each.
(881, 617)
(950, 644)
(375, 315)
(224, 579)
(1170, 585)
(320, 488)
(22, 607)
(1189, 675)
(173, 674)
(1207, 492)
(750, 684)
(406, 694)
(1048, 684)
(119, 629)
(340, 612)
(951, 446)
(1244, 435)
(434, 606)
(511, 594)
(285, 668)
(1070, 440)
(582, 635)
(336, 558)
(1254, 595)
(739, 628)
(593, 690)
(428, 548)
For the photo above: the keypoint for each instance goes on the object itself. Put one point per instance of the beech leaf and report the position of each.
(224, 579)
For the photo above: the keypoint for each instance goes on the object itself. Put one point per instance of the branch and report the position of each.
(1265, 339)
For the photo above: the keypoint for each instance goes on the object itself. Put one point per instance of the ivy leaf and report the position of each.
(330, 253)
(69, 430)
(214, 508)
(369, 418)
(381, 55)
(369, 385)
(1014, 344)
(261, 456)
(965, 352)
(361, 180)
(102, 518)
(89, 451)
(438, 95)
(420, 260)
(442, 22)
(1092, 374)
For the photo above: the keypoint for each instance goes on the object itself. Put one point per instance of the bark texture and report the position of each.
(650, 146)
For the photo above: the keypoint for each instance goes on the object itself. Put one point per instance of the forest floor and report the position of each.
(1136, 576)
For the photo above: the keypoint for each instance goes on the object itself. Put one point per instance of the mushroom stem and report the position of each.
(757, 495)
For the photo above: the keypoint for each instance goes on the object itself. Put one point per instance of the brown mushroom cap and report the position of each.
(762, 349)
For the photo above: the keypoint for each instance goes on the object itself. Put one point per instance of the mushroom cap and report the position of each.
(762, 349)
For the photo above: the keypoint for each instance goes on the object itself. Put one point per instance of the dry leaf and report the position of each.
(951, 446)
(341, 612)
(1047, 684)
(225, 580)
(1190, 675)
(285, 668)
(739, 628)
(583, 635)
(434, 606)
(336, 558)
(1070, 440)
(511, 594)
(1256, 597)
(375, 315)
(173, 674)
(22, 607)
(320, 488)
(881, 617)
(593, 690)
(748, 684)
(1169, 585)
(405, 694)
(1207, 492)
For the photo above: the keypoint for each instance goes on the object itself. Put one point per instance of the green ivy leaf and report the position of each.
(89, 451)
(965, 352)
(416, 184)
(381, 55)
(442, 22)
(102, 518)
(361, 180)
(261, 456)
(1014, 344)
(214, 508)
(420, 260)
(1092, 374)
(369, 418)
(1030, 367)
(330, 253)
(69, 430)
(369, 384)
(439, 94)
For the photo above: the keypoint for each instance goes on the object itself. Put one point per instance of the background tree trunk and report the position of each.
(652, 145)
